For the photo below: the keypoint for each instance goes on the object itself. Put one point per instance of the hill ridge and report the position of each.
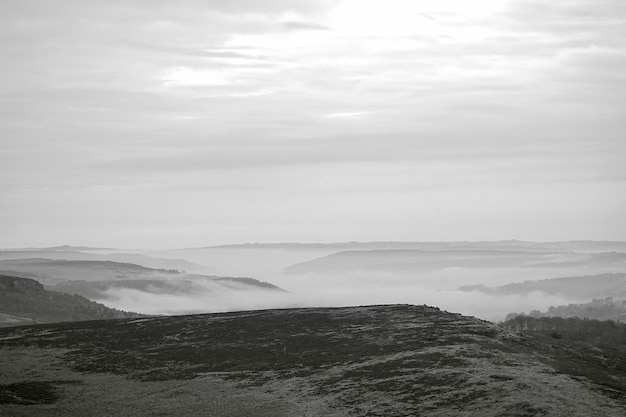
(24, 299)
(383, 360)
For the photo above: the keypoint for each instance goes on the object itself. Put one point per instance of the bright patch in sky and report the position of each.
(183, 76)
(406, 17)
(347, 115)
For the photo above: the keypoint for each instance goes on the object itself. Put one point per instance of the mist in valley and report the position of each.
(419, 135)
(334, 291)
(445, 284)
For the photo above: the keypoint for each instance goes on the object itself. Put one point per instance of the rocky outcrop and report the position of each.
(19, 285)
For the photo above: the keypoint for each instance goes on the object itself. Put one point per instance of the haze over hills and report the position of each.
(319, 274)
(606, 292)
(580, 287)
(52, 271)
(80, 253)
(271, 258)
(265, 260)
(181, 293)
(585, 246)
(128, 286)
(189, 284)
(68, 248)
(417, 260)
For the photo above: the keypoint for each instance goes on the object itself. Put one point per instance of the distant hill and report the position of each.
(76, 254)
(583, 246)
(73, 248)
(128, 286)
(264, 260)
(185, 284)
(25, 301)
(376, 361)
(579, 287)
(50, 271)
(597, 309)
(415, 260)
(597, 333)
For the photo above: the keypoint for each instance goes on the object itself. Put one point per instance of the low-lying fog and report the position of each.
(439, 290)
(312, 290)
(435, 286)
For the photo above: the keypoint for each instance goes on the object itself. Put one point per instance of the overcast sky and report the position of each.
(190, 123)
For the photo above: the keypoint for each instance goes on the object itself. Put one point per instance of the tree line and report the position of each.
(596, 332)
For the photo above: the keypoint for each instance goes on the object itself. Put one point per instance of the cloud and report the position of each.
(203, 52)
(145, 97)
(592, 65)
(203, 297)
(347, 115)
(188, 77)
(305, 26)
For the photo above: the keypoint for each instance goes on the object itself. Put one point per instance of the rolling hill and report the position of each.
(597, 309)
(396, 360)
(267, 259)
(25, 301)
(52, 271)
(69, 253)
(581, 246)
(415, 260)
(186, 284)
(127, 286)
(580, 287)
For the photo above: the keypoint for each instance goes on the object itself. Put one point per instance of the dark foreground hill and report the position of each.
(386, 361)
(25, 301)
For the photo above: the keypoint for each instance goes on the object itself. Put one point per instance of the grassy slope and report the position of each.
(363, 361)
(26, 299)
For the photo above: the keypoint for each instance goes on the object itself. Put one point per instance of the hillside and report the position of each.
(419, 260)
(183, 284)
(52, 271)
(397, 360)
(579, 287)
(25, 301)
(68, 253)
(127, 286)
(597, 309)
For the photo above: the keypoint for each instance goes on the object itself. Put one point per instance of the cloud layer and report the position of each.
(146, 123)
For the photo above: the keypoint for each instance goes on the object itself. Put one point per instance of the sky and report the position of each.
(159, 124)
